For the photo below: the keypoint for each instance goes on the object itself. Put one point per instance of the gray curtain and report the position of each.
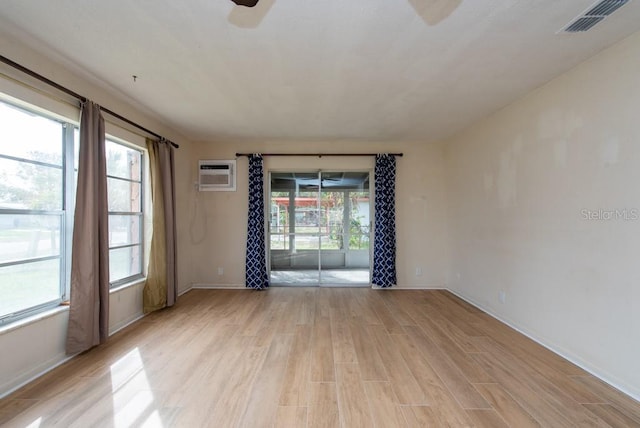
(89, 307)
(161, 286)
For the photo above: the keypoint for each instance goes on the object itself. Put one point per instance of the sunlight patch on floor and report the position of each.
(35, 424)
(132, 395)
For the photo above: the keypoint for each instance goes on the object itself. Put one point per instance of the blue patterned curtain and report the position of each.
(384, 238)
(256, 263)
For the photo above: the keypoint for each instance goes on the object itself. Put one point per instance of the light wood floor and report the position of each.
(319, 357)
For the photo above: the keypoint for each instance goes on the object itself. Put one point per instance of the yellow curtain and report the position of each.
(160, 288)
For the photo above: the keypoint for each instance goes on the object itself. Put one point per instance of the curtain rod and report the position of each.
(318, 154)
(79, 97)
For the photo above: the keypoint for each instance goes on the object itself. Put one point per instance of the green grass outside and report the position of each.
(27, 285)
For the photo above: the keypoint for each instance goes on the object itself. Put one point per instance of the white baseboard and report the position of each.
(54, 362)
(123, 324)
(404, 287)
(189, 288)
(34, 374)
(600, 374)
(204, 286)
(60, 359)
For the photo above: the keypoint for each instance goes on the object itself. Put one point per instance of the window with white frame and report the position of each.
(38, 174)
(125, 190)
(36, 188)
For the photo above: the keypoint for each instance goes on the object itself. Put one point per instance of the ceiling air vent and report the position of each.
(593, 15)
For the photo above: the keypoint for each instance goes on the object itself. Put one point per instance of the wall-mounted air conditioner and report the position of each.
(217, 175)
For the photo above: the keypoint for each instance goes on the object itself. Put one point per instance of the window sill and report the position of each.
(33, 319)
(127, 285)
(63, 307)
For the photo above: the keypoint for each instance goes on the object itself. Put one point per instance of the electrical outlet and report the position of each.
(502, 296)
(418, 271)
(220, 271)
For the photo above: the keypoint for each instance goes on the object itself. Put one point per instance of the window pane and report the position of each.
(27, 186)
(279, 241)
(28, 236)
(307, 242)
(122, 161)
(124, 262)
(32, 150)
(332, 241)
(124, 196)
(359, 242)
(30, 284)
(124, 230)
(29, 136)
(76, 149)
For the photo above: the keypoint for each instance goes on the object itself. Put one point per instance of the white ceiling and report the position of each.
(391, 70)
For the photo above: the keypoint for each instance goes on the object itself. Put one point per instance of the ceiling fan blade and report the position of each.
(434, 11)
(247, 3)
(249, 16)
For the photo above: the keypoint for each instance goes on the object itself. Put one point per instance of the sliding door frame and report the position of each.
(319, 172)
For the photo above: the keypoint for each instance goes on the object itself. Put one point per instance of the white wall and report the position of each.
(28, 349)
(420, 207)
(517, 185)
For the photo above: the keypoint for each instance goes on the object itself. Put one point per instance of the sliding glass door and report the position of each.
(319, 228)
(293, 229)
(345, 212)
